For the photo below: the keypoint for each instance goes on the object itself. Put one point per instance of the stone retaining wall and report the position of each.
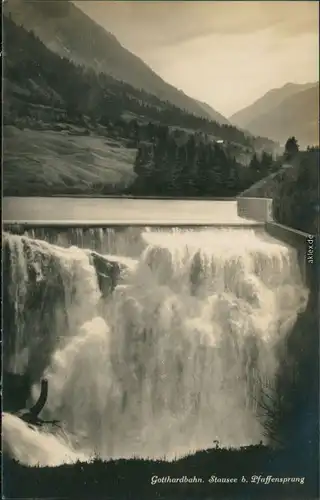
(306, 246)
(259, 209)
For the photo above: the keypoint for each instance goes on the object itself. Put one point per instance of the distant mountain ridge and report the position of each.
(271, 99)
(66, 30)
(290, 110)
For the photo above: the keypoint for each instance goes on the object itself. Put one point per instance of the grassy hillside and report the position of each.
(64, 161)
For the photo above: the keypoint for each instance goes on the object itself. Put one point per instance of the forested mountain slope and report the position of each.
(66, 30)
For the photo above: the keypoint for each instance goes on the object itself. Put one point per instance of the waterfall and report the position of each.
(167, 358)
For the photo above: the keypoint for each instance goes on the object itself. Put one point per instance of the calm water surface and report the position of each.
(116, 211)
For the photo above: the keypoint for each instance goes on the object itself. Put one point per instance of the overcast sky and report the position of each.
(225, 53)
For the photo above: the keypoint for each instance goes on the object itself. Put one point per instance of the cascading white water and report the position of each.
(174, 358)
(77, 278)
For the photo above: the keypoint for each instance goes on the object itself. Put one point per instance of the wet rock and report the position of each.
(108, 273)
(16, 390)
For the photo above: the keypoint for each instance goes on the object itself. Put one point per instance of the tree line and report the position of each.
(171, 163)
(296, 199)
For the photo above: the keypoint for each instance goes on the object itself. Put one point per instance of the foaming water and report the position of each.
(176, 356)
(36, 267)
(119, 241)
(30, 446)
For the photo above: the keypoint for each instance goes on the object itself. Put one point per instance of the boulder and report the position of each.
(108, 272)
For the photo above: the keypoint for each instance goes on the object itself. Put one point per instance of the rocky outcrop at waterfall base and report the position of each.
(31, 415)
(17, 390)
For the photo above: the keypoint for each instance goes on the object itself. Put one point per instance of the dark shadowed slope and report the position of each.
(290, 110)
(65, 29)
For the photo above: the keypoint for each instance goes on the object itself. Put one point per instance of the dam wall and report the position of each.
(259, 209)
(304, 243)
(254, 213)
